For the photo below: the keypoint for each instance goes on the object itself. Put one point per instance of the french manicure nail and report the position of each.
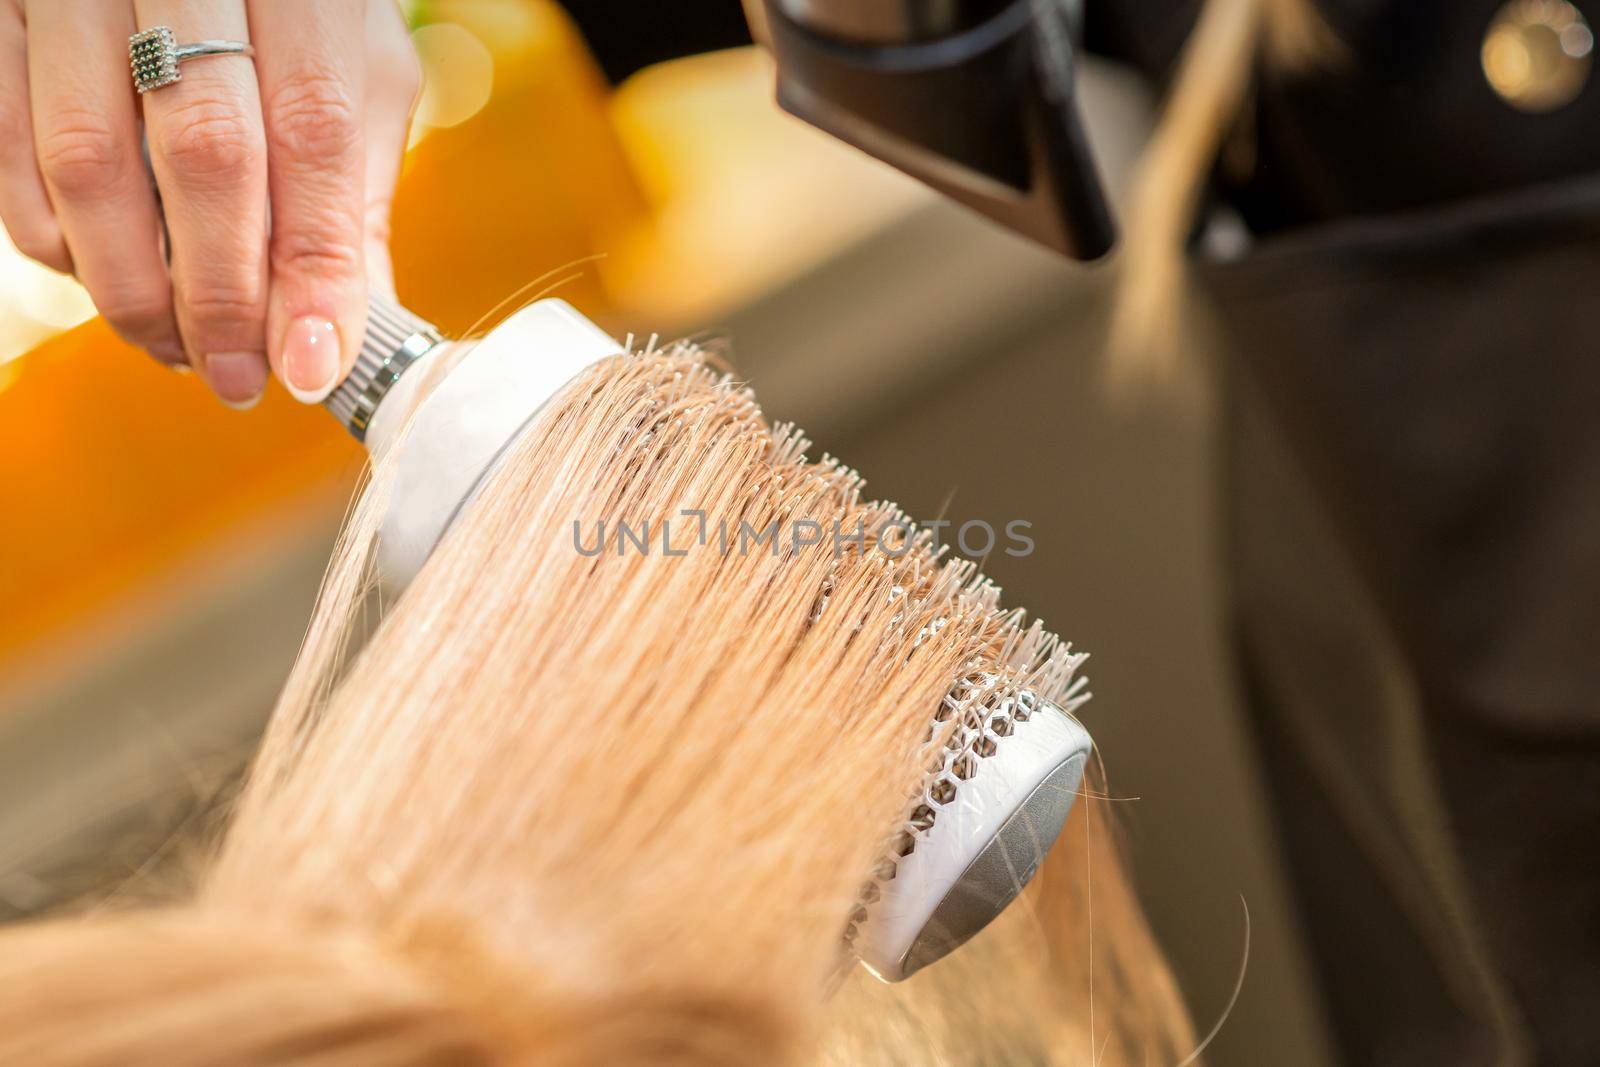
(237, 377)
(311, 359)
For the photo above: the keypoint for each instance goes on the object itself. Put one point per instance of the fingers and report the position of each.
(311, 55)
(85, 132)
(24, 208)
(394, 78)
(208, 150)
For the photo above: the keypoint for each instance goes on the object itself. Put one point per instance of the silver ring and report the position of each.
(154, 55)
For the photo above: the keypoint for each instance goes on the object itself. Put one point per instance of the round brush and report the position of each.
(1004, 765)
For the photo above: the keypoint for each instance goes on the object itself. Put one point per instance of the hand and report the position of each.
(275, 175)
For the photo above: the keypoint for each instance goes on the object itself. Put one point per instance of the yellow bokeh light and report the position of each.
(1537, 54)
(457, 72)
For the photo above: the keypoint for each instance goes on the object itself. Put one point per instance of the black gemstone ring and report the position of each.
(154, 55)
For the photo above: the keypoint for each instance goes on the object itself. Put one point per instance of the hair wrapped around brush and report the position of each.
(611, 807)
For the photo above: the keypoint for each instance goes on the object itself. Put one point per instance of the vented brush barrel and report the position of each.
(989, 813)
(1009, 764)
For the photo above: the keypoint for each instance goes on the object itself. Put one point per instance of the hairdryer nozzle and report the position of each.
(977, 98)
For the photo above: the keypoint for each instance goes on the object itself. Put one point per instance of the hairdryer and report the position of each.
(976, 98)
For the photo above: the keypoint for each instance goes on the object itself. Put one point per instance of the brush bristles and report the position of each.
(616, 805)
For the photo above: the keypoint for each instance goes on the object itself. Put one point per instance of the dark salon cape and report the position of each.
(1412, 472)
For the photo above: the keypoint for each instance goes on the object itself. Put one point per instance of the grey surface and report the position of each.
(110, 768)
(1123, 508)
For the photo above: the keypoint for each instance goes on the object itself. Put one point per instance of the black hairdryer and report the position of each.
(974, 97)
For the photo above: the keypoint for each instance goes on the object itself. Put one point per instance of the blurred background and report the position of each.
(159, 554)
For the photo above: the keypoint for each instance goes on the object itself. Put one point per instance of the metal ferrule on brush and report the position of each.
(443, 441)
(395, 339)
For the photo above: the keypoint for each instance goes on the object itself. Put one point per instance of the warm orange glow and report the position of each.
(117, 471)
(534, 182)
(743, 195)
(457, 75)
(1537, 54)
(117, 468)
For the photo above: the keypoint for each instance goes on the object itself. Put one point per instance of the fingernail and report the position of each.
(170, 353)
(311, 359)
(237, 377)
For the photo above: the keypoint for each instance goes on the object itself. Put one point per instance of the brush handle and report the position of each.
(444, 443)
(394, 341)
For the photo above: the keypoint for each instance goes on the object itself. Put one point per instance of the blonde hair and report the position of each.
(1208, 90)
(569, 808)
